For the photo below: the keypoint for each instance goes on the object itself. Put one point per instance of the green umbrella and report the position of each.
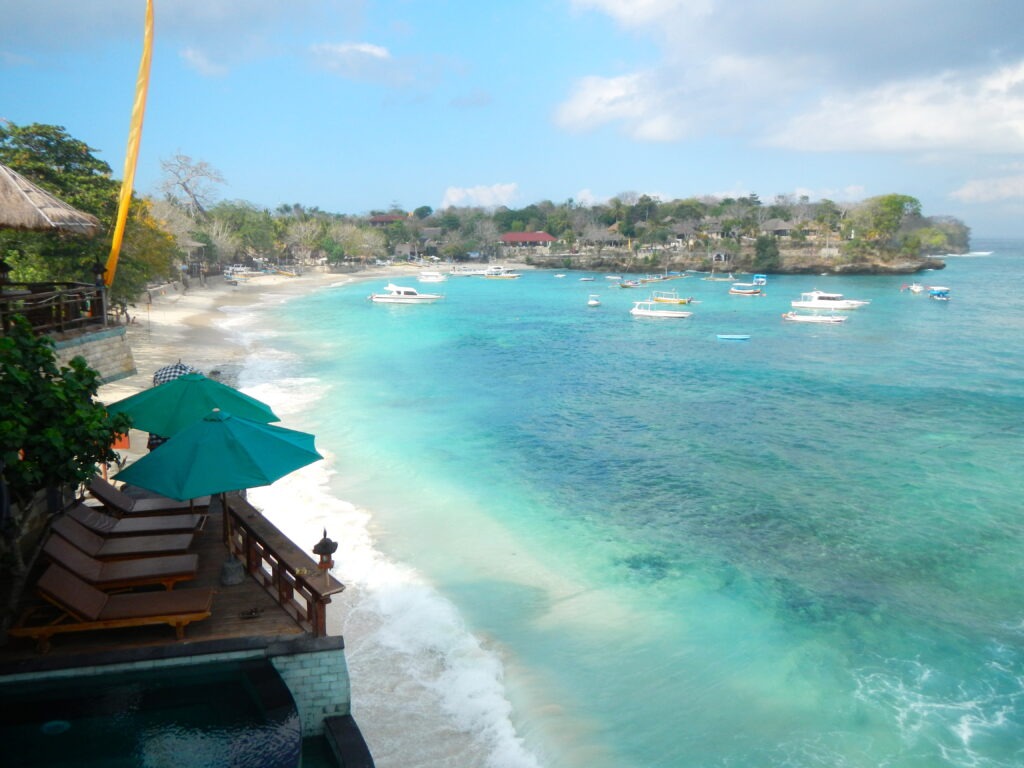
(221, 453)
(168, 408)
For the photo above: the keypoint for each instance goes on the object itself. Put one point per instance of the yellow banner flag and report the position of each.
(132, 155)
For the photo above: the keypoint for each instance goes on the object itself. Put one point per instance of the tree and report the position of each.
(190, 183)
(766, 253)
(52, 430)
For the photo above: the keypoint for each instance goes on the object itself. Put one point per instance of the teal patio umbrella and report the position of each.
(221, 452)
(168, 408)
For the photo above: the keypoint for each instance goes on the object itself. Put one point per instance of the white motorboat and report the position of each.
(431, 277)
(825, 300)
(650, 309)
(820, 319)
(501, 273)
(594, 300)
(397, 294)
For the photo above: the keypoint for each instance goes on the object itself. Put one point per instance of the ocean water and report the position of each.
(575, 538)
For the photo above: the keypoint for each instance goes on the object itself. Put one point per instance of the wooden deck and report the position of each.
(244, 615)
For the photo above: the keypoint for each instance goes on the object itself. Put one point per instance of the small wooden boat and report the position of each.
(734, 337)
(821, 319)
(649, 309)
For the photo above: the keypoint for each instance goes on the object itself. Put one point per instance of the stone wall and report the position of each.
(320, 685)
(106, 350)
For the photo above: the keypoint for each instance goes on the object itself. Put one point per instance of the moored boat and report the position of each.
(669, 297)
(594, 300)
(820, 319)
(938, 292)
(826, 300)
(650, 309)
(744, 289)
(431, 277)
(397, 294)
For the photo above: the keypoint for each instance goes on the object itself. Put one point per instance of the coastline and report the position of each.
(404, 717)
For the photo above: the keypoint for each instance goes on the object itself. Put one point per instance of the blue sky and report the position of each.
(356, 105)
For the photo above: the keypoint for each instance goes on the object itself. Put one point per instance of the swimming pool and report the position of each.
(238, 714)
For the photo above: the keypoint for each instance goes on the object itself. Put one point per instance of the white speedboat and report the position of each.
(825, 300)
(820, 319)
(397, 294)
(501, 273)
(594, 300)
(431, 277)
(650, 309)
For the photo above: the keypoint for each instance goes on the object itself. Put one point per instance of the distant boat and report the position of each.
(820, 319)
(669, 297)
(431, 277)
(649, 309)
(733, 336)
(593, 301)
(612, 277)
(825, 300)
(559, 275)
(397, 294)
(586, 279)
(629, 284)
(745, 289)
(938, 292)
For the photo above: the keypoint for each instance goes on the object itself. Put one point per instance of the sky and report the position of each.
(353, 105)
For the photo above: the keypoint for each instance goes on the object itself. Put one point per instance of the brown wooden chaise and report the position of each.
(107, 525)
(122, 504)
(84, 608)
(121, 574)
(121, 547)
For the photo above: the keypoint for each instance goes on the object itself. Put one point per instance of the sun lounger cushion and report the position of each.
(120, 547)
(166, 569)
(107, 525)
(124, 504)
(87, 608)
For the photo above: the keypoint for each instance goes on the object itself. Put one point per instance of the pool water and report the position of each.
(238, 715)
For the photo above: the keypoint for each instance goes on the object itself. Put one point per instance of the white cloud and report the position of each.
(950, 111)
(990, 190)
(632, 13)
(197, 60)
(481, 196)
(632, 100)
(354, 61)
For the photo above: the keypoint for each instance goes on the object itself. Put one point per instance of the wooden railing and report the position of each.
(286, 572)
(53, 307)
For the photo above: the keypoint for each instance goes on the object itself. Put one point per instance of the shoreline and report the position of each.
(413, 714)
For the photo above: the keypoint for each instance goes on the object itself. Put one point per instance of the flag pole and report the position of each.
(134, 139)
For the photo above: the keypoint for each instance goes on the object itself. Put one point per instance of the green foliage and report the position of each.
(52, 431)
(766, 253)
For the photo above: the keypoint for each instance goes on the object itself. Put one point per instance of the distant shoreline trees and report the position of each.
(189, 224)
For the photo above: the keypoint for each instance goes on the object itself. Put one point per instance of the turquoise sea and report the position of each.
(575, 538)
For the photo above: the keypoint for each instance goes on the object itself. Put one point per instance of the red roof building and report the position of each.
(527, 238)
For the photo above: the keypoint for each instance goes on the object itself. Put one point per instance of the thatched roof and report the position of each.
(23, 205)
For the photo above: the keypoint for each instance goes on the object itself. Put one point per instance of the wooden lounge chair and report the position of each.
(121, 547)
(83, 608)
(123, 504)
(121, 574)
(100, 522)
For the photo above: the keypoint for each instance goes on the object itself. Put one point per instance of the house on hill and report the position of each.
(526, 241)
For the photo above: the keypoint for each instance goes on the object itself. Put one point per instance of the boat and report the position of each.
(397, 294)
(913, 288)
(559, 275)
(825, 300)
(431, 277)
(760, 279)
(501, 273)
(718, 279)
(669, 297)
(745, 289)
(594, 300)
(821, 319)
(938, 292)
(629, 284)
(733, 336)
(586, 279)
(650, 309)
